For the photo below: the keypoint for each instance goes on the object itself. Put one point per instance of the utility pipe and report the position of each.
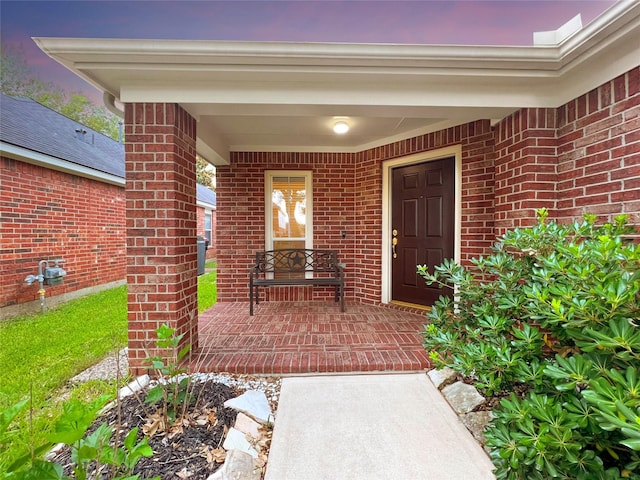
(41, 292)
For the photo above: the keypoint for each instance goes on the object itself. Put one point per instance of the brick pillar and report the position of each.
(161, 226)
(525, 167)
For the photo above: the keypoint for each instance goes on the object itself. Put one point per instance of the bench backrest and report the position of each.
(293, 260)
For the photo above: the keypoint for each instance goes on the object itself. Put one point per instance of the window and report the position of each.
(207, 226)
(288, 204)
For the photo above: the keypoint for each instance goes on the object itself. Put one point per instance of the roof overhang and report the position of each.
(32, 157)
(249, 96)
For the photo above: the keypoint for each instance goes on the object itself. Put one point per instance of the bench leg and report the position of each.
(339, 296)
(251, 296)
(254, 295)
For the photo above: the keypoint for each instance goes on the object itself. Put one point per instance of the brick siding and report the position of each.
(582, 157)
(599, 151)
(211, 252)
(161, 226)
(347, 193)
(46, 214)
(525, 167)
(241, 215)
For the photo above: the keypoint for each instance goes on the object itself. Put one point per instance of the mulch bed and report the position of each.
(190, 448)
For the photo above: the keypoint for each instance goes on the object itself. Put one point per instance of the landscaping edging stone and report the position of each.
(253, 427)
(244, 442)
(463, 399)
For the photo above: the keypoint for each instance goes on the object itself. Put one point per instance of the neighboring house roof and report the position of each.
(32, 132)
(206, 196)
(28, 124)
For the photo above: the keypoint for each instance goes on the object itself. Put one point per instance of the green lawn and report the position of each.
(207, 290)
(41, 352)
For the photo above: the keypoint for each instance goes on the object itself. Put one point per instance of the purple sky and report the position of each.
(469, 22)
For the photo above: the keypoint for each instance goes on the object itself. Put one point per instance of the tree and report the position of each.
(205, 173)
(17, 79)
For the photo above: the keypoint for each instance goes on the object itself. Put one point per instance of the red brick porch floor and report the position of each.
(309, 337)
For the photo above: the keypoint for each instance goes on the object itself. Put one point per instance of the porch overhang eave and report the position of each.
(432, 85)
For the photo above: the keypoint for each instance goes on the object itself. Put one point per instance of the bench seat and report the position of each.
(296, 267)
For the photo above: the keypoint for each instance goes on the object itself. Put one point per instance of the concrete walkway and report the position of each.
(387, 427)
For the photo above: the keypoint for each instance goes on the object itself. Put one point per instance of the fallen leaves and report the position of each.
(184, 473)
(213, 455)
(156, 423)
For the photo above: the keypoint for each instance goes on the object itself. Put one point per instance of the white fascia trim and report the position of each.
(205, 205)
(88, 56)
(36, 158)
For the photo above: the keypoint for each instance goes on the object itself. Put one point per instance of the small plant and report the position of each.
(92, 455)
(553, 314)
(172, 389)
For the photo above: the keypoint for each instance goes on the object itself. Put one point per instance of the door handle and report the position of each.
(394, 242)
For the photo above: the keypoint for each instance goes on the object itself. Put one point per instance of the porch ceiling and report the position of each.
(249, 96)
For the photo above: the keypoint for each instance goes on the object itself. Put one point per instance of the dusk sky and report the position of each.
(468, 22)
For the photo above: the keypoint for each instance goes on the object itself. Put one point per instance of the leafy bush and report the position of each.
(92, 456)
(552, 312)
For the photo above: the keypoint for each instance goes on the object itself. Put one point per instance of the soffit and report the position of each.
(249, 96)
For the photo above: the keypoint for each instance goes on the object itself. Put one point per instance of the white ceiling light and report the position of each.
(340, 127)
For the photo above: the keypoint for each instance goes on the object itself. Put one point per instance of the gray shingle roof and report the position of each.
(27, 124)
(205, 194)
(30, 125)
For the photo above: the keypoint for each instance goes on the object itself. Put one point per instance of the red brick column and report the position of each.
(525, 167)
(161, 226)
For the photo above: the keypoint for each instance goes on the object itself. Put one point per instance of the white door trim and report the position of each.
(452, 151)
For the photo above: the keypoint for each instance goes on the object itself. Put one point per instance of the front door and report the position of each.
(422, 223)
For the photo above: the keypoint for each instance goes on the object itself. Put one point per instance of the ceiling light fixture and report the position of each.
(340, 127)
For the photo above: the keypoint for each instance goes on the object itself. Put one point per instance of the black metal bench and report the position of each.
(296, 267)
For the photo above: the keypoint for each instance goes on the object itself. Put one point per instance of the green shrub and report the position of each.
(92, 456)
(552, 312)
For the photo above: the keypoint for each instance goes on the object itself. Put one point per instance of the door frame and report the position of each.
(437, 154)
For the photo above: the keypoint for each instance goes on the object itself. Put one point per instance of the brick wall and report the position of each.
(241, 215)
(211, 252)
(46, 214)
(583, 157)
(477, 198)
(161, 226)
(347, 195)
(525, 167)
(599, 151)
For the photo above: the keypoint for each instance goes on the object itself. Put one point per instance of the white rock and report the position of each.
(236, 440)
(476, 422)
(135, 386)
(247, 426)
(442, 377)
(254, 404)
(462, 397)
(237, 466)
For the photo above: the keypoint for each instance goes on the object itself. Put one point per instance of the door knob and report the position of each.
(394, 242)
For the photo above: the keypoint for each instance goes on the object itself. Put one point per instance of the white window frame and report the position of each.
(268, 177)
(208, 213)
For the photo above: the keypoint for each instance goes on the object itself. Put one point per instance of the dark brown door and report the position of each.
(422, 223)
